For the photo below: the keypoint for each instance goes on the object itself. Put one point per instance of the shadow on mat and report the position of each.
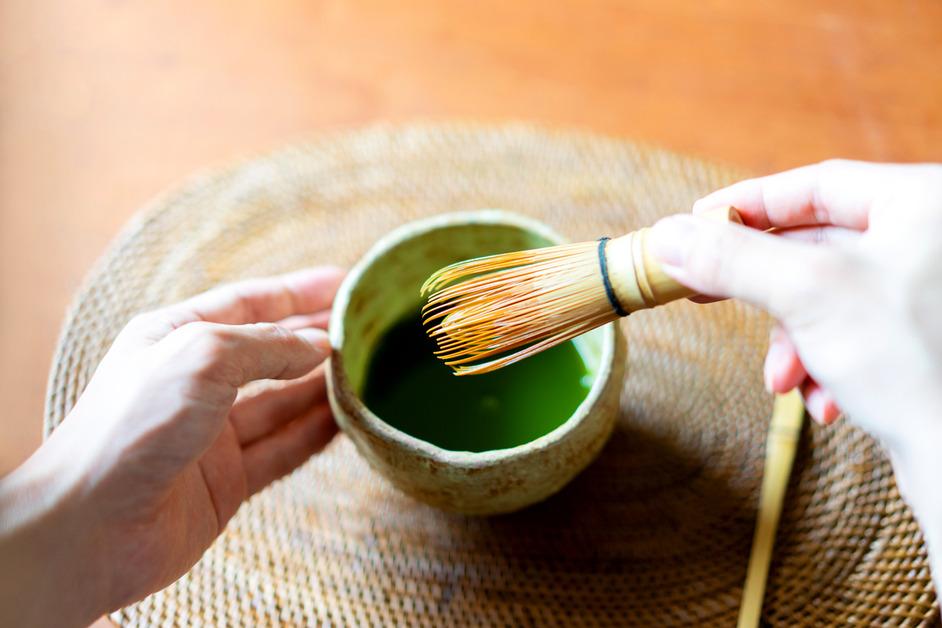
(649, 531)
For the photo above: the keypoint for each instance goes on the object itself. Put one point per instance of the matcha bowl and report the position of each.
(480, 444)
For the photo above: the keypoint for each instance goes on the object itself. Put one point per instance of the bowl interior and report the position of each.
(383, 292)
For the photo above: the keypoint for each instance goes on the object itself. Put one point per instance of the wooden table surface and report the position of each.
(103, 104)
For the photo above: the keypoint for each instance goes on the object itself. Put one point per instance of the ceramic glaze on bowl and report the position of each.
(381, 291)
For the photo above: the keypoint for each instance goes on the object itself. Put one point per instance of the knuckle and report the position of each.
(143, 320)
(286, 344)
(204, 347)
(143, 323)
(199, 332)
(274, 332)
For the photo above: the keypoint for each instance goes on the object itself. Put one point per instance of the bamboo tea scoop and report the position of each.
(788, 415)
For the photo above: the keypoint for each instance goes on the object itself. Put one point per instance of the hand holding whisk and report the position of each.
(492, 311)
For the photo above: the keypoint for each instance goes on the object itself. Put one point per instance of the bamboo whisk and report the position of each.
(488, 312)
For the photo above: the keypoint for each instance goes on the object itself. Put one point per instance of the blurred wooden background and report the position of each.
(103, 104)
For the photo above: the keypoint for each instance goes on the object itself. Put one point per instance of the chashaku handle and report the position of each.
(638, 279)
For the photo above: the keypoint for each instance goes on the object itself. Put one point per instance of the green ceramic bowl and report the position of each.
(381, 290)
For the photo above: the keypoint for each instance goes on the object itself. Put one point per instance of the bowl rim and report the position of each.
(455, 458)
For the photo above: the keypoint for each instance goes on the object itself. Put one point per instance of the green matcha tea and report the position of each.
(412, 390)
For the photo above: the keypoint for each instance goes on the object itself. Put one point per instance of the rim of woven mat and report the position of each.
(655, 532)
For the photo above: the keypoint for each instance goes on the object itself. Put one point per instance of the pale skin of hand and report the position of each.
(853, 275)
(162, 448)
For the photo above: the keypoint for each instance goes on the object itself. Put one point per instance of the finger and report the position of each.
(819, 403)
(238, 354)
(783, 368)
(724, 260)
(255, 416)
(812, 235)
(300, 321)
(251, 301)
(833, 192)
(287, 448)
(820, 235)
(270, 299)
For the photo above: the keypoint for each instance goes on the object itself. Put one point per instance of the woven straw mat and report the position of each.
(656, 532)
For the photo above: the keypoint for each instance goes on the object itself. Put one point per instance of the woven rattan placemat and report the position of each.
(656, 532)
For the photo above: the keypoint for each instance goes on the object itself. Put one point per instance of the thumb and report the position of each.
(729, 260)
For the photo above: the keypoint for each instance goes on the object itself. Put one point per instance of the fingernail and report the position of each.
(813, 407)
(816, 403)
(317, 338)
(671, 238)
(767, 372)
(830, 413)
(773, 360)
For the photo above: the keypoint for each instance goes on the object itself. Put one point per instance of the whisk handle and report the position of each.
(638, 279)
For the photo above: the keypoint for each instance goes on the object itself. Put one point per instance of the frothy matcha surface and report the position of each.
(412, 390)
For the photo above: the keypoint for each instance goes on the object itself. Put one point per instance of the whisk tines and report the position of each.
(492, 311)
